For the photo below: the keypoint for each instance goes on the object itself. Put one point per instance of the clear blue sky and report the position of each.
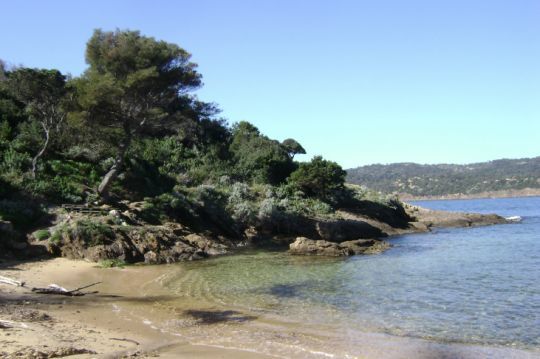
(358, 82)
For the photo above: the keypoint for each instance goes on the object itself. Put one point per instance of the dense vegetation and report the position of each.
(130, 129)
(445, 179)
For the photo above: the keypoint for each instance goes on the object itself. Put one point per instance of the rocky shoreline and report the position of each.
(124, 237)
(76, 326)
(424, 220)
(511, 193)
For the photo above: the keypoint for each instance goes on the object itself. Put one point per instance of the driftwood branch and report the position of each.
(51, 288)
(86, 286)
(7, 324)
(10, 281)
(56, 289)
(126, 340)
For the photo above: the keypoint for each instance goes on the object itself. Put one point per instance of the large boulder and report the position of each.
(306, 246)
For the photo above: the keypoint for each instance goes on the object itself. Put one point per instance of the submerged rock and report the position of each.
(306, 246)
(367, 246)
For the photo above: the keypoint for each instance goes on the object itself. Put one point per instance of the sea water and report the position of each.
(477, 286)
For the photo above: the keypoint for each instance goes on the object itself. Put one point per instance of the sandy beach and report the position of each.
(119, 322)
(45, 325)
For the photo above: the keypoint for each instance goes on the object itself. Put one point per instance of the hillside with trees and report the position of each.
(169, 178)
(416, 180)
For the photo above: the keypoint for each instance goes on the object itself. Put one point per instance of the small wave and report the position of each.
(514, 219)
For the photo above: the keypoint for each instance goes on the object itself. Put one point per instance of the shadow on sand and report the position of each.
(218, 316)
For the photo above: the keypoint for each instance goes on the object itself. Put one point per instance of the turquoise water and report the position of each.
(475, 285)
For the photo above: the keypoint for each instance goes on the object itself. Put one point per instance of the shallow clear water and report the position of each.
(475, 285)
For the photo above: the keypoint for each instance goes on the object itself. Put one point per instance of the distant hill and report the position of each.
(505, 177)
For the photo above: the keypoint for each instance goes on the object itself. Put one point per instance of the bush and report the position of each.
(14, 161)
(91, 232)
(318, 178)
(112, 263)
(63, 181)
(243, 213)
(239, 192)
(240, 203)
(258, 158)
(56, 237)
(157, 209)
(41, 234)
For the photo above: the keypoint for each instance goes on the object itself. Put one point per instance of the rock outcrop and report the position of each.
(432, 218)
(306, 246)
(128, 237)
(366, 246)
(166, 243)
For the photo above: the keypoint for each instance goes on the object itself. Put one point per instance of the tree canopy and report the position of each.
(44, 95)
(257, 157)
(137, 85)
(131, 127)
(293, 147)
(319, 177)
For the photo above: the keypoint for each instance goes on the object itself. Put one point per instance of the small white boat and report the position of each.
(514, 218)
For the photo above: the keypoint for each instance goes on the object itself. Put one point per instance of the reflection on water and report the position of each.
(476, 285)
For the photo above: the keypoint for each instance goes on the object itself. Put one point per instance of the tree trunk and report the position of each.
(116, 168)
(41, 152)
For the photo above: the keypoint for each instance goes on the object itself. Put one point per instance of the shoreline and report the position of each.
(52, 323)
(528, 192)
(119, 321)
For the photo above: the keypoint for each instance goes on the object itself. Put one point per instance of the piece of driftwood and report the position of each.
(10, 281)
(126, 340)
(56, 289)
(7, 324)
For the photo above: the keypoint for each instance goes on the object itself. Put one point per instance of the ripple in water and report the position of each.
(476, 285)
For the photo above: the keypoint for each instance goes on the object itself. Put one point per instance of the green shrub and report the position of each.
(318, 178)
(240, 203)
(258, 158)
(41, 234)
(112, 263)
(14, 161)
(312, 207)
(91, 232)
(56, 237)
(163, 207)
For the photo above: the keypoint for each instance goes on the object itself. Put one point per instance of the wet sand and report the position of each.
(52, 323)
(125, 317)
